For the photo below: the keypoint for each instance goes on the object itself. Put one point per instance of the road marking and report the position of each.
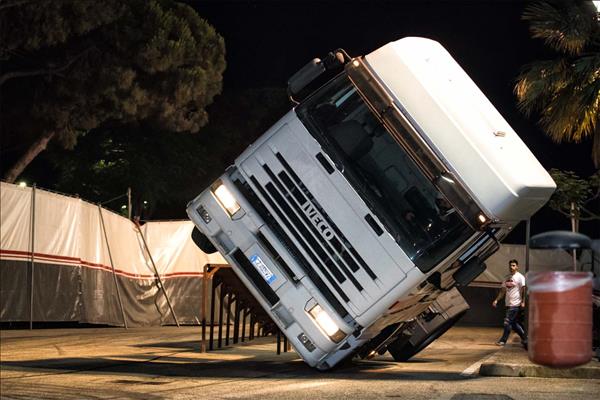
(474, 368)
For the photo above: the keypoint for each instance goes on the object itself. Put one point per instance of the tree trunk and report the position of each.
(574, 228)
(596, 147)
(36, 148)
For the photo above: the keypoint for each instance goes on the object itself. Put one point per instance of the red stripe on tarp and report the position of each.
(176, 274)
(40, 255)
(117, 271)
(26, 256)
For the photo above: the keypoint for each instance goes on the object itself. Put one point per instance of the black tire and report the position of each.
(405, 351)
(202, 242)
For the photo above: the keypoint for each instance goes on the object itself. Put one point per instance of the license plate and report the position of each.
(263, 269)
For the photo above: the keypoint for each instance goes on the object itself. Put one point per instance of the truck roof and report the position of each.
(463, 127)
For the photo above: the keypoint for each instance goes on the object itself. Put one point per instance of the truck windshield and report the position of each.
(414, 212)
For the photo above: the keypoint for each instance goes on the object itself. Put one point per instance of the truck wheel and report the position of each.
(408, 350)
(202, 242)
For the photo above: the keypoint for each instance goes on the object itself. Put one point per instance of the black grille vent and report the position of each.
(284, 239)
(314, 243)
(275, 255)
(339, 241)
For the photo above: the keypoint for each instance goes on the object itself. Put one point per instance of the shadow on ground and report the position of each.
(175, 366)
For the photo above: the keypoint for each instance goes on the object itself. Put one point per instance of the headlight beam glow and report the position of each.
(226, 199)
(324, 321)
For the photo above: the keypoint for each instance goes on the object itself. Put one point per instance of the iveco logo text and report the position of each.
(317, 221)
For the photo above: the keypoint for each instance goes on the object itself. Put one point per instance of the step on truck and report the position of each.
(353, 219)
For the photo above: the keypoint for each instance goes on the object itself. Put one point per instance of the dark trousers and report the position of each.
(511, 321)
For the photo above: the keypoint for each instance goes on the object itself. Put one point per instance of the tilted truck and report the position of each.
(355, 216)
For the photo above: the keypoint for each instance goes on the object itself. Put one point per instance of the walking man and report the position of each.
(513, 290)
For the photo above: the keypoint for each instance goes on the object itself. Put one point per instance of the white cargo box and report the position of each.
(463, 127)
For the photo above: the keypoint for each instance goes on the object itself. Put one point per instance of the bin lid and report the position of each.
(560, 240)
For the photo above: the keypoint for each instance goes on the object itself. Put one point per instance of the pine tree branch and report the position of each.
(41, 71)
(6, 4)
(36, 148)
(22, 74)
(591, 215)
(566, 214)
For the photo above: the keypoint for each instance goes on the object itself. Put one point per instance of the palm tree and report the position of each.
(565, 91)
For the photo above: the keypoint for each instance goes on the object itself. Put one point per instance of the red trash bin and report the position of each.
(560, 318)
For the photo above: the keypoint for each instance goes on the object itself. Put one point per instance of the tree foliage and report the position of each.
(158, 167)
(574, 196)
(166, 170)
(564, 91)
(72, 66)
(238, 118)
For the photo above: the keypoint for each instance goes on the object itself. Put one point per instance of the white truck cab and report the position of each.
(374, 196)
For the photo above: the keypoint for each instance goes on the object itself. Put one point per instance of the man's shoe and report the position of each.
(524, 344)
(500, 343)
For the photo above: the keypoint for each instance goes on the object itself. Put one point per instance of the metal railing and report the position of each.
(230, 313)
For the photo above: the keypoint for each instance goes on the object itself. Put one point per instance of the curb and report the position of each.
(512, 361)
(538, 371)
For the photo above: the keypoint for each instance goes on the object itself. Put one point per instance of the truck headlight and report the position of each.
(225, 198)
(326, 323)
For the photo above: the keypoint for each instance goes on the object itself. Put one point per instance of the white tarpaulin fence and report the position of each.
(72, 270)
(72, 266)
(539, 260)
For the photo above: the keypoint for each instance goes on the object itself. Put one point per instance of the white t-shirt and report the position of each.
(513, 285)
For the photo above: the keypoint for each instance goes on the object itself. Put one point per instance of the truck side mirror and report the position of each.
(305, 76)
(313, 70)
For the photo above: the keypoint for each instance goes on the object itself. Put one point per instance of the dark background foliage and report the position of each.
(267, 41)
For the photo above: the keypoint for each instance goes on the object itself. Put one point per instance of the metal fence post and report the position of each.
(212, 314)
(236, 320)
(31, 278)
(129, 203)
(112, 266)
(251, 327)
(245, 310)
(227, 319)
(160, 283)
(527, 235)
(278, 342)
(204, 296)
(221, 305)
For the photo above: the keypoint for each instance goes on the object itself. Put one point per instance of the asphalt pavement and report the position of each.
(166, 363)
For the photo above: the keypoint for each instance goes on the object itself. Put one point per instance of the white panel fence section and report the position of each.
(69, 230)
(46, 232)
(96, 246)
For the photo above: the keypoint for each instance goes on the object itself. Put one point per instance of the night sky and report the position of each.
(268, 41)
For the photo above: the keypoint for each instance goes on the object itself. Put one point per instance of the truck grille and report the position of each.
(342, 246)
(288, 243)
(295, 208)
